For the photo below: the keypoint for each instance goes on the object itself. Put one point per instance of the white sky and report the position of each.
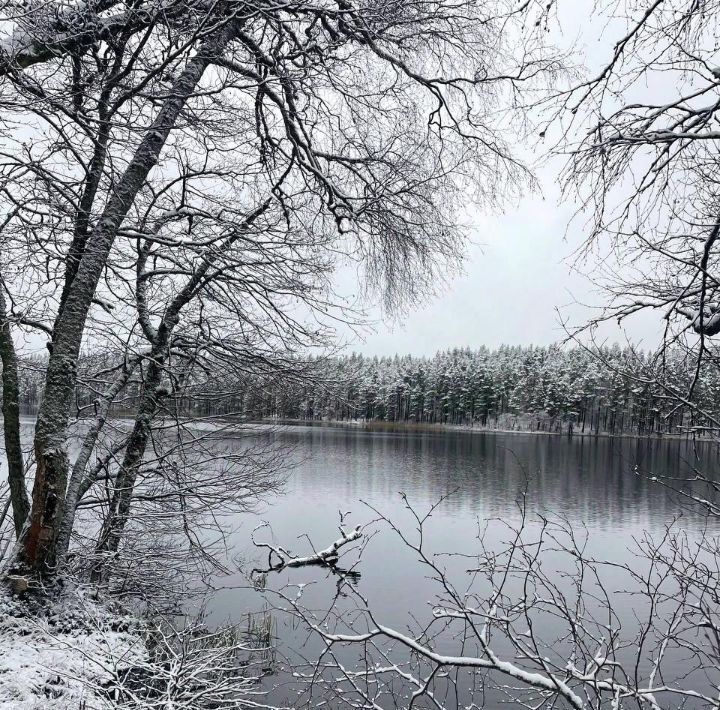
(518, 282)
(518, 278)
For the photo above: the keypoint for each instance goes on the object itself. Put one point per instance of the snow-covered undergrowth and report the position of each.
(63, 653)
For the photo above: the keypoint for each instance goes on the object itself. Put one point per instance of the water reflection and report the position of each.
(592, 483)
(602, 487)
(598, 485)
(584, 479)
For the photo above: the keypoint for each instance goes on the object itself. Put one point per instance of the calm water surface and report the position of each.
(591, 483)
(600, 486)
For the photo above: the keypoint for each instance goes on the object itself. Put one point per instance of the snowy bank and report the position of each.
(63, 653)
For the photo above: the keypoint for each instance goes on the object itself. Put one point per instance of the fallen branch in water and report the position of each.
(279, 558)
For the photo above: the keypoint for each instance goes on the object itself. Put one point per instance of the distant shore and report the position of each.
(380, 426)
(372, 425)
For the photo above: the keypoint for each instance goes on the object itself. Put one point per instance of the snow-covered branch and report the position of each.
(516, 627)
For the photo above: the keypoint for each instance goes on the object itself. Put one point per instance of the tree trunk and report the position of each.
(77, 478)
(38, 549)
(119, 511)
(11, 422)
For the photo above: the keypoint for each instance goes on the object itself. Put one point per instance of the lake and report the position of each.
(599, 486)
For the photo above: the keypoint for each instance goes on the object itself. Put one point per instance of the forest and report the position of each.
(608, 390)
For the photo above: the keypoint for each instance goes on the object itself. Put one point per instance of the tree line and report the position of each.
(610, 390)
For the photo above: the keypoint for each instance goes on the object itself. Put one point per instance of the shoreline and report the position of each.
(386, 427)
(376, 426)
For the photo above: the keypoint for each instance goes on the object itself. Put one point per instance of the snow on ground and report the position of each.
(59, 655)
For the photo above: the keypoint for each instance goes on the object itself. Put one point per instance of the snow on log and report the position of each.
(279, 558)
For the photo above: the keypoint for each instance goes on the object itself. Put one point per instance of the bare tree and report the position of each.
(538, 620)
(196, 172)
(641, 133)
(11, 420)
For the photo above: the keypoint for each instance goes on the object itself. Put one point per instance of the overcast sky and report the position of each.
(518, 278)
(518, 273)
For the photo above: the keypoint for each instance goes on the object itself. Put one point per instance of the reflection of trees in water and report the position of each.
(601, 481)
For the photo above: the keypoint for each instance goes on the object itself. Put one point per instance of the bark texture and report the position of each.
(11, 421)
(38, 549)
